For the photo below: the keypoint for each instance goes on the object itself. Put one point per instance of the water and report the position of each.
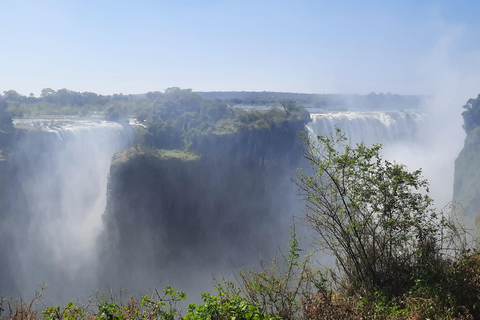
(371, 127)
(58, 198)
(419, 140)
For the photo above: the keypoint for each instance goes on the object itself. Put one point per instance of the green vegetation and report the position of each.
(371, 101)
(117, 106)
(371, 214)
(471, 115)
(177, 119)
(125, 155)
(467, 174)
(467, 165)
(158, 305)
(375, 217)
(6, 127)
(181, 119)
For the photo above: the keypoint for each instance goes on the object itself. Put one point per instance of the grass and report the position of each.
(162, 154)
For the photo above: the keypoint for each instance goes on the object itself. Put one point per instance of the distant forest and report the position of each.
(174, 119)
(180, 118)
(69, 101)
(371, 101)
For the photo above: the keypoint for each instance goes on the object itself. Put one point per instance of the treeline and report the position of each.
(64, 102)
(69, 102)
(6, 127)
(173, 119)
(65, 97)
(180, 119)
(371, 101)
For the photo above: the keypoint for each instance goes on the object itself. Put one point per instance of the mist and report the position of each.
(57, 196)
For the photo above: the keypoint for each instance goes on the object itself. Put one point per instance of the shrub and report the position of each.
(373, 215)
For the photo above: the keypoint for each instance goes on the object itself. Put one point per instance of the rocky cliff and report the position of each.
(176, 217)
(466, 190)
(467, 174)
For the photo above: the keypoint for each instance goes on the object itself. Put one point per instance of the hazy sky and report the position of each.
(309, 46)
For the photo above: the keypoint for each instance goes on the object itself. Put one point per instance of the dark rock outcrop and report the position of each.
(179, 221)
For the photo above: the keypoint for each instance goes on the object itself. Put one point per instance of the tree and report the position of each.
(48, 95)
(6, 123)
(288, 105)
(373, 215)
(12, 95)
(471, 115)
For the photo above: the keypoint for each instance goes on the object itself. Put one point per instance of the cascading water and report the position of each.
(370, 127)
(60, 194)
(414, 138)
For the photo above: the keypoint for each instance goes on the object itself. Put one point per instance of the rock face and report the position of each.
(466, 188)
(6, 278)
(178, 221)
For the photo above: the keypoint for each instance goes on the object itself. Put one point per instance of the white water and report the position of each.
(413, 138)
(65, 190)
(371, 127)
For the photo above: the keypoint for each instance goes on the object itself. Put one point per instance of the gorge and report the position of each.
(193, 189)
(163, 218)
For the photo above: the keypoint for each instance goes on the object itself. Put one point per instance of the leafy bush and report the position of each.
(284, 287)
(220, 307)
(373, 215)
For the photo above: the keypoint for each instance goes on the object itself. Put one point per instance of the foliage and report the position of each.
(471, 115)
(181, 119)
(451, 286)
(6, 126)
(288, 105)
(5, 118)
(127, 154)
(70, 312)
(452, 292)
(467, 175)
(220, 307)
(283, 287)
(20, 309)
(64, 102)
(175, 119)
(160, 305)
(372, 101)
(373, 215)
(69, 102)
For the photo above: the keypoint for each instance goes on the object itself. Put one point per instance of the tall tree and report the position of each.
(373, 215)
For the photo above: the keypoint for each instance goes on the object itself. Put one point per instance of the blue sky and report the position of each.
(407, 47)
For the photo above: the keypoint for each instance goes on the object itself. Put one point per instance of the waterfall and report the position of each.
(62, 168)
(370, 127)
(414, 138)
